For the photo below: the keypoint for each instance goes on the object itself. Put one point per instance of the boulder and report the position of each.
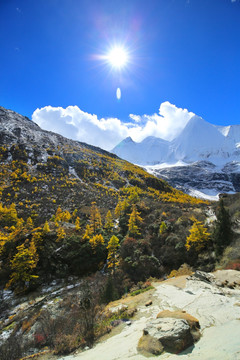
(148, 303)
(173, 335)
(148, 344)
(181, 314)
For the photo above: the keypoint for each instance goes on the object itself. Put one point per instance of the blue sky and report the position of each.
(186, 52)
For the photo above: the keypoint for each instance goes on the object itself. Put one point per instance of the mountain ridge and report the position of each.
(197, 134)
(198, 143)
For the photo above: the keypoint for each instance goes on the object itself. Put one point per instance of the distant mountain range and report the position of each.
(203, 160)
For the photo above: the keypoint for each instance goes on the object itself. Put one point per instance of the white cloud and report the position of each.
(79, 125)
(136, 118)
(76, 124)
(166, 125)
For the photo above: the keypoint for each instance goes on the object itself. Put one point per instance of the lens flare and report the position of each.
(118, 57)
(118, 93)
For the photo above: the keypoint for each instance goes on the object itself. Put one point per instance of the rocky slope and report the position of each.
(202, 178)
(213, 299)
(203, 158)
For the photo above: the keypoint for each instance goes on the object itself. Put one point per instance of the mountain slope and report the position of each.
(42, 170)
(46, 177)
(72, 214)
(151, 150)
(199, 140)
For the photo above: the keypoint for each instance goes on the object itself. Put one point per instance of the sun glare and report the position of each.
(118, 57)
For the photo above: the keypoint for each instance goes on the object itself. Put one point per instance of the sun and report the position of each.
(118, 57)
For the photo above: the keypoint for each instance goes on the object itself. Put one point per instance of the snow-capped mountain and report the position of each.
(200, 140)
(203, 157)
(151, 150)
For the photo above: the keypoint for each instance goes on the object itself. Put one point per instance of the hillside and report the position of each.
(75, 217)
(41, 170)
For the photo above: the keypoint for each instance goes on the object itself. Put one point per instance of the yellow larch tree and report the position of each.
(95, 218)
(66, 216)
(134, 222)
(58, 215)
(77, 224)
(96, 240)
(118, 209)
(22, 265)
(88, 232)
(61, 216)
(109, 222)
(8, 215)
(113, 258)
(121, 208)
(46, 228)
(60, 234)
(29, 223)
(198, 237)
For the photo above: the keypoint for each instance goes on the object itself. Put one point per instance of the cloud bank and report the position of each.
(76, 124)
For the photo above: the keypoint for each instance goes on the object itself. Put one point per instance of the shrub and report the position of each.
(139, 291)
(184, 269)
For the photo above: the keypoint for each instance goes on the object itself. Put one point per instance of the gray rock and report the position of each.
(203, 276)
(174, 335)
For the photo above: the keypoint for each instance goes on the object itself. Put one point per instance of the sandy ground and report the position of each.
(218, 310)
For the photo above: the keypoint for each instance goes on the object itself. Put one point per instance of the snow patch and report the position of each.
(74, 174)
(203, 194)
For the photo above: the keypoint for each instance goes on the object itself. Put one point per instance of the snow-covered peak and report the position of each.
(199, 140)
(234, 133)
(127, 140)
(151, 150)
(153, 140)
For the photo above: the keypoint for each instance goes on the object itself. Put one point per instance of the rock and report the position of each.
(181, 314)
(203, 276)
(131, 312)
(148, 303)
(228, 278)
(174, 335)
(149, 344)
(118, 309)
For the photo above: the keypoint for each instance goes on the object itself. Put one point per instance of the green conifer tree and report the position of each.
(162, 228)
(222, 234)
